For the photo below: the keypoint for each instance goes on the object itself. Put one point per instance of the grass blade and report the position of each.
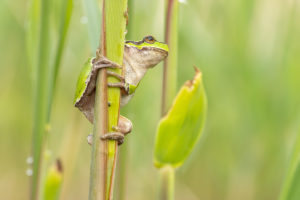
(41, 98)
(64, 26)
(92, 12)
(290, 189)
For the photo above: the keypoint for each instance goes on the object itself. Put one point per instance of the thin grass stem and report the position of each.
(167, 182)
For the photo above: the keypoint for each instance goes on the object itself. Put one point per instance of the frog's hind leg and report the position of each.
(124, 125)
(119, 137)
(116, 75)
(119, 132)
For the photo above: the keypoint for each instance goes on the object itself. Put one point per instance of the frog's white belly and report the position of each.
(125, 99)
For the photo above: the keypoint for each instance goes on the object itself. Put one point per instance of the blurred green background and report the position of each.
(249, 52)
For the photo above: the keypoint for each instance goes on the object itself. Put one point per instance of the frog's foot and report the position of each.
(119, 137)
(116, 75)
(123, 86)
(103, 62)
(119, 132)
(126, 88)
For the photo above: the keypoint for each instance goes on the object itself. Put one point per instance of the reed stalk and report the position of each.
(104, 153)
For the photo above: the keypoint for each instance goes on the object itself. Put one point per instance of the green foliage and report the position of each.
(290, 189)
(181, 128)
(44, 73)
(64, 22)
(42, 89)
(53, 182)
(92, 12)
(248, 52)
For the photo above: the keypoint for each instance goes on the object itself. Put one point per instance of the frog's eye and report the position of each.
(149, 39)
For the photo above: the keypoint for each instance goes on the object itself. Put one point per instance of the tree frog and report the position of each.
(138, 58)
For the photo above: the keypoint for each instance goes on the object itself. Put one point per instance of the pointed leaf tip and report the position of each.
(181, 128)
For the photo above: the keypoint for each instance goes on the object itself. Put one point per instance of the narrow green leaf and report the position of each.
(53, 182)
(290, 189)
(32, 36)
(41, 94)
(66, 13)
(92, 12)
(181, 128)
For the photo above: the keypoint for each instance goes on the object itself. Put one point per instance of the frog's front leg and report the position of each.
(119, 132)
(103, 62)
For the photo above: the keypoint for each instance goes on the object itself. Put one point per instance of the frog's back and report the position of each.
(81, 82)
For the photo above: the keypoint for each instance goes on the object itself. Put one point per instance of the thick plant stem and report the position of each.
(170, 64)
(167, 179)
(122, 170)
(99, 147)
(104, 153)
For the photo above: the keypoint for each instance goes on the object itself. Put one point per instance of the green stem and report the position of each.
(167, 182)
(41, 100)
(104, 153)
(123, 160)
(122, 172)
(167, 175)
(67, 8)
(170, 64)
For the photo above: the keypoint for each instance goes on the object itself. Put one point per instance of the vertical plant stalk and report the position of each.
(67, 9)
(99, 148)
(122, 170)
(170, 64)
(167, 174)
(104, 153)
(41, 100)
(167, 180)
(45, 84)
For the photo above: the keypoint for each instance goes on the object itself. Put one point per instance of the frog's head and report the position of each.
(147, 52)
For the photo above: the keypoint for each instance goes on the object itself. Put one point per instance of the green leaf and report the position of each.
(32, 36)
(181, 128)
(65, 18)
(53, 182)
(92, 12)
(41, 93)
(290, 189)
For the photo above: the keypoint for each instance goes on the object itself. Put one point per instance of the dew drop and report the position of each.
(84, 20)
(29, 160)
(182, 1)
(29, 172)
